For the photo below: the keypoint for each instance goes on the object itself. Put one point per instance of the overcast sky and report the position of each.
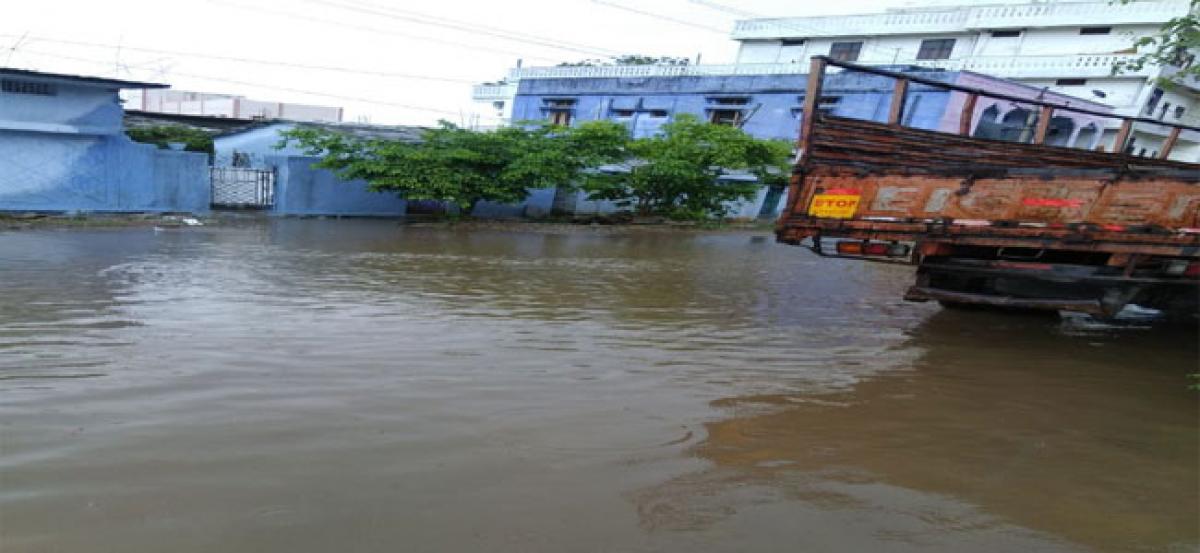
(383, 46)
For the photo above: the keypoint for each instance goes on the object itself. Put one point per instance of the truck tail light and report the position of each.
(877, 249)
(849, 248)
(1192, 270)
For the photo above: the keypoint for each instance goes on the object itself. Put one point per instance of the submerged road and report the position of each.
(306, 385)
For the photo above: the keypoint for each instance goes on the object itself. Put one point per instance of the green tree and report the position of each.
(677, 172)
(1175, 45)
(194, 140)
(464, 167)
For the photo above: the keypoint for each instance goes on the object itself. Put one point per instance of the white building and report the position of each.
(182, 102)
(1067, 47)
(493, 103)
(1063, 46)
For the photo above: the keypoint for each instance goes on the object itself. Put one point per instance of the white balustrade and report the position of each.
(963, 18)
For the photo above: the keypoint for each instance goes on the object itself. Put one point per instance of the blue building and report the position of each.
(62, 148)
(301, 189)
(767, 105)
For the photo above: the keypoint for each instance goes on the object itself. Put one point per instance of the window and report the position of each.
(730, 101)
(1095, 30)
(1163, 110)
(561, 118)
(729, 117)
(845, 51)
(241, 159)
(936, 49)
(658, 113)
(559, 110)
(1155, 98)
(622, 113)
(13, 86)
(1179, 112)
(826, 104)
(792, 42)
(1070, 82)
(1012, 33)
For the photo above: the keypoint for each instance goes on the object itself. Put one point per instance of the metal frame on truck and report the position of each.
(995, 222)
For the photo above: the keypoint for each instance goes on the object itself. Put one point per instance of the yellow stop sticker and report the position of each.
(835, 204)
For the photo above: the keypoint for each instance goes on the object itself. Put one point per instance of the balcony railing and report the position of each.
(964, 18)
(1032, 67)
(486, 92)
(1019, 67)
(586, 72)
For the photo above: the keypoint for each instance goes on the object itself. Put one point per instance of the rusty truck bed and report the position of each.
(877, 181)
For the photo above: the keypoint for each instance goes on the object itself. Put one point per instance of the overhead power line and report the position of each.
(270, 86)
(237, 59)
(458, 25)
(479, 50)
(723, 8)
(675, 20)
(804, 30)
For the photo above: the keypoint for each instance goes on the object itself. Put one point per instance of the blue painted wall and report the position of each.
(258, 144)
(773, 110)
(302, 190)
(779, 99)
(66, 152)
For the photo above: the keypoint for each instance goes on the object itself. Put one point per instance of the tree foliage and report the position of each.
(464, 167)
(1175, 45)
(193, 140)
(678, 171)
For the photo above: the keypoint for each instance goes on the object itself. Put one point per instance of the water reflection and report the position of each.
(316, 385)
(1084, 434)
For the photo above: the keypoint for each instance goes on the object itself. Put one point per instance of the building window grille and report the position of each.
(936, 49)
(827, 104)
(1155, 98)
(845, 51)
(13, 86)
(560, 118)
(1009, 33)
(1070, 82)
(559, 110)
(1095, 30)
(729, 117)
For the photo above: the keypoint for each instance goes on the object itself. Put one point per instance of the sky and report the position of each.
(384, 61)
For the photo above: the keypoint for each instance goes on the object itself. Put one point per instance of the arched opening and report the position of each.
(987, 126)
(1086, 139)
(1059, 132)
(1018, 125)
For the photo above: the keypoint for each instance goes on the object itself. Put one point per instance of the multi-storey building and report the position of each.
(182, 102)
(1066, 47)
(1053, 47)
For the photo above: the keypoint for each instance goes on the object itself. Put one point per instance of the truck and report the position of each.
(1016, 224)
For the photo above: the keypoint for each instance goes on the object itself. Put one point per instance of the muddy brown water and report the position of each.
(310, 385)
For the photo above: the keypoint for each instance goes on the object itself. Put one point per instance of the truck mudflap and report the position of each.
(925, 293)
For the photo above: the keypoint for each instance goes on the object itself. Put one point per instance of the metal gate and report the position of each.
(240, 187)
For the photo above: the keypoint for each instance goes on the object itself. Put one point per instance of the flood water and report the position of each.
(307, 385)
